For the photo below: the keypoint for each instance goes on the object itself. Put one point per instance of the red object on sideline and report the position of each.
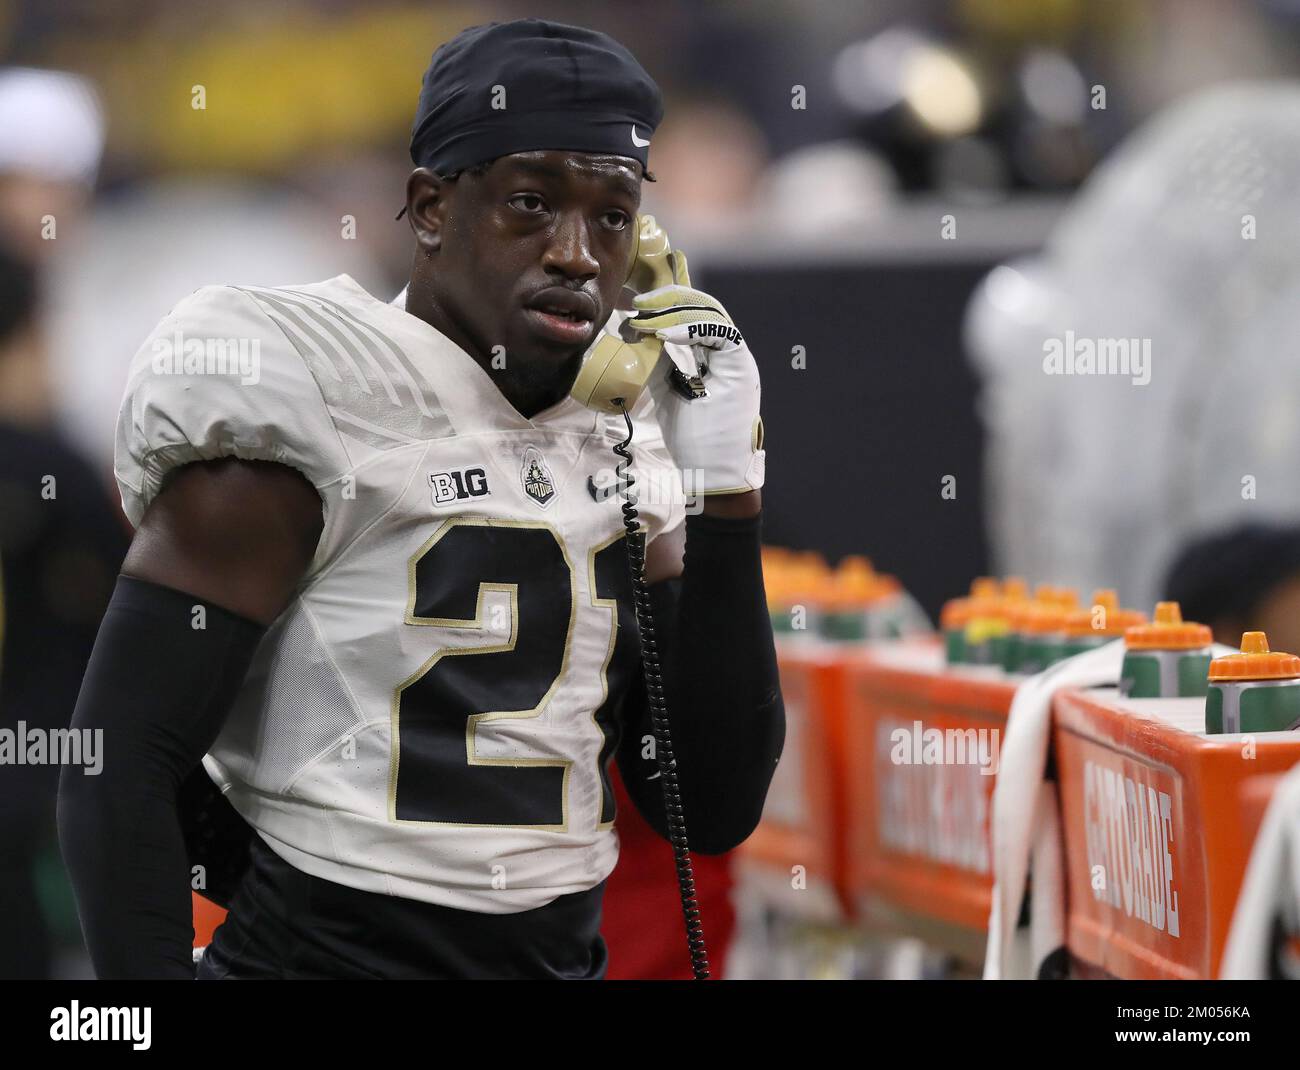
(207, 916)
(643, 924)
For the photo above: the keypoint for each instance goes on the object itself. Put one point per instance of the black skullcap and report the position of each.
(565, 87)
(1229, 573)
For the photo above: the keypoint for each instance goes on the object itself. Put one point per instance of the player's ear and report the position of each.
(426, 208)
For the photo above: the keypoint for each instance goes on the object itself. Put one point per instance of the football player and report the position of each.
(378, 588)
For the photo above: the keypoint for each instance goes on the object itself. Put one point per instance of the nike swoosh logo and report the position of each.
(598, 493)
(636, 140)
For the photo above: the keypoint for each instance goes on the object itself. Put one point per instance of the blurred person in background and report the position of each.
(61, 546)
(61, 537)
(1242, 579)
(51, 140)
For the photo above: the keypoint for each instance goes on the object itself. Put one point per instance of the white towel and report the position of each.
(1271, 888)
(1027, 820)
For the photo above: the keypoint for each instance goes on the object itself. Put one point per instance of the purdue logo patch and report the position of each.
(536, 477)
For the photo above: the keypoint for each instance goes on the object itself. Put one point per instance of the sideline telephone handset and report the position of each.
(617, 369)
(612, 378)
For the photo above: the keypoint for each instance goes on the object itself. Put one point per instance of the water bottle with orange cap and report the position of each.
(795, 584)
(1005, 647)
(956, 614)
(1257, 690)
(1042, 627)
(1168, 658)
(1019, 605)
(987, 627)
(965, 621)
(1098, 624)
(860, 603)
(953, 618)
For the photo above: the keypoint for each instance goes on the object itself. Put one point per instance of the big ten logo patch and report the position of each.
(458, 484)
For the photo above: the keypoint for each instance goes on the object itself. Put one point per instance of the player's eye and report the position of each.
(529, 203)
(615, 219)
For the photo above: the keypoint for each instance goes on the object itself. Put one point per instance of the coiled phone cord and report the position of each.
(658, 710)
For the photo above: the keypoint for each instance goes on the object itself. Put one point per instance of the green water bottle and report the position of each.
(1257, 690)
(1168, 658)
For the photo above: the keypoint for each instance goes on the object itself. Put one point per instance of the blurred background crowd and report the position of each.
(914, 194)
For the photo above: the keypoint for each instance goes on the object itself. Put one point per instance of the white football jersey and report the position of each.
(433, 715)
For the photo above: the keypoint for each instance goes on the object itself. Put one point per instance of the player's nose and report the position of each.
(568, 251)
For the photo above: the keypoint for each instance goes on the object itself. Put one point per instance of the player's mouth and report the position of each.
(562, 315)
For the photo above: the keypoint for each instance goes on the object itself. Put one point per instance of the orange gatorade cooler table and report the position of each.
(796, 855)
(922, 741)
(1256, 794)
(1158, 819)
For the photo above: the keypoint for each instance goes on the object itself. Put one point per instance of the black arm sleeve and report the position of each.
(157, 690)
(720, 680)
